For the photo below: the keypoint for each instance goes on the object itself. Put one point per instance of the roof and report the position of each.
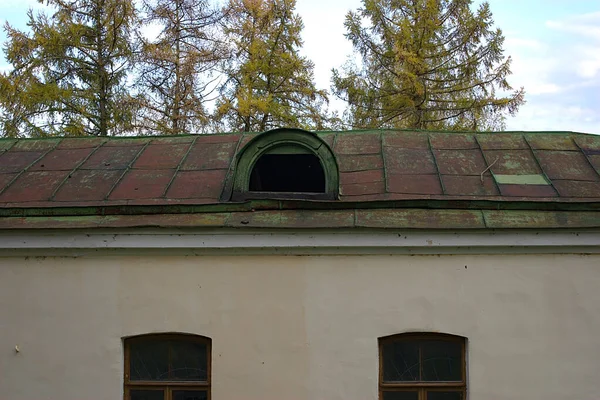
(462, 173)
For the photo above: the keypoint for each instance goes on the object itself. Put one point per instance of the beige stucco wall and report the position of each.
(301, 327)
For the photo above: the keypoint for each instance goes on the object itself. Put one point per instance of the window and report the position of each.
(296, 173)
(285, 164)
(422, 367)
(167, 367)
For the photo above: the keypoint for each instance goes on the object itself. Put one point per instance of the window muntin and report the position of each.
(422, 367)
(167, 367)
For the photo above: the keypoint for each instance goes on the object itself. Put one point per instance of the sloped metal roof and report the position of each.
(378, 169)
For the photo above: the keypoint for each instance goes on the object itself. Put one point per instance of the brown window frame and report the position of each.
(167, 386)
(422, 387)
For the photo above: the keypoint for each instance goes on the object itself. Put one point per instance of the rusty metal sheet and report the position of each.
(111, 157)
(453, 141)
(359, 162)
(419, 219)
(291, 219)
(16, 161)
(142, 184)
(221, 138)
(6, 144)
(569, 188)
(365, 188)
(121, 141)
(33, 186)
(209, 156)
(414, 184)
(358, 143)
(404, 161)
(62, 160)
(551, 142)
(518, 219)
(588, 142)
(566, 165)
(161, 156)
(456, 185)
(460, 162)
(35, 145)
(502, 141)
(81, 142)
(197, 184)
(88, 185)
(406, 140)
(349, 178)
(173, 140)
(540, 191)
(595, 161)
(5, 179)
(327, 137)
(512, 162)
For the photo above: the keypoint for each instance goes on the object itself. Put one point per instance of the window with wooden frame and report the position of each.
(424, 366)
(167, 367)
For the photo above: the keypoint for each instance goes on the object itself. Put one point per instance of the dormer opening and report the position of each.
(286, 164)
(294, 173)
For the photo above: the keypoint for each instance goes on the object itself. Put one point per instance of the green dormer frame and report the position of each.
(285, 141)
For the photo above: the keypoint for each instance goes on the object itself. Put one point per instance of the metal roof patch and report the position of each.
(536, 179)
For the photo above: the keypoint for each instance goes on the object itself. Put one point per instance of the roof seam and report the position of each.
(66, 178)
(231, 170)
(178, 168)
(29, 166)
(435, 163)
(537, 161)
(126, 170)
(383, 163)
(587, 158)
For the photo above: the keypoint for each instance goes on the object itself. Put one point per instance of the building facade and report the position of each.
(291, 265)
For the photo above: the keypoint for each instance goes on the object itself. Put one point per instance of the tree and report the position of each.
(176, 66)
(426, 64)
(268, 84)
(69, 73)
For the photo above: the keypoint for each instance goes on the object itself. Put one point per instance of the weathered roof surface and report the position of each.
(383, 168)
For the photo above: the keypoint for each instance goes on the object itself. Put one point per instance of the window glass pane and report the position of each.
(401, 361)
(149, 360)
(136, 394)
(190, 395)
(188, 361)
(400, 395)
(442, 360)
(444, 395)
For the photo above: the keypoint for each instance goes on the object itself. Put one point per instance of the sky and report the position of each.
(554, 45)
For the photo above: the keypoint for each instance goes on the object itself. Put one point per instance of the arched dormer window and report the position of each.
(286, 164)
(167, 367)
(422, 366)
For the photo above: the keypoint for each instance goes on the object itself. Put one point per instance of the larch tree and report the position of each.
(176, 66)
(426, 64)
(69, 72)
(267, 83)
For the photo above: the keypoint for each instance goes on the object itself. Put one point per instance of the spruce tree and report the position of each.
(426, 64)
(69, 72)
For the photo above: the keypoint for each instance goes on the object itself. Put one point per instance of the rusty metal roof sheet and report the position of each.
(376, 167)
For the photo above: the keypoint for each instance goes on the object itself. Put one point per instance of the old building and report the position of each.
(290, 265)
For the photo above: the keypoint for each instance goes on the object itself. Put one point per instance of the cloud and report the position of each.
(560, 70)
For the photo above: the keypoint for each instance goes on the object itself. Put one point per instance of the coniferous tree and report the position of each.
(426, 64)
(69, 73)
(268, 84)
(176, 67)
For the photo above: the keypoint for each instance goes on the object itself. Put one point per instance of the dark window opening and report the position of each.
(296, 173)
